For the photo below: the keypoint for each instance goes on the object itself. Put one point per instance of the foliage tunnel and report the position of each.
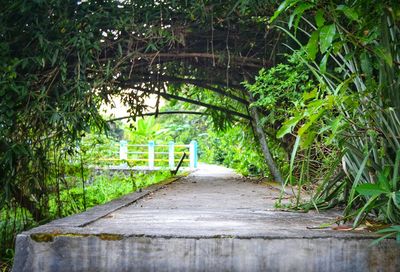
(62, 59)
(317, 79)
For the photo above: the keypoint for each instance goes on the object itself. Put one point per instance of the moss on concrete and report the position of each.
(49, 237)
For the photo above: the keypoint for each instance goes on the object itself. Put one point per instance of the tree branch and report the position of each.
(198, 83)
(195, 102)
(158, 113)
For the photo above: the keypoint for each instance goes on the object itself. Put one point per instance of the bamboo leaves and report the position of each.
(326, 35)
(298, 12)
(312, 45)
(283, 7)
(365, 63)
(349, 12)
(319, 18)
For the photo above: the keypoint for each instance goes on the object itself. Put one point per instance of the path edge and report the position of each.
(95, 213)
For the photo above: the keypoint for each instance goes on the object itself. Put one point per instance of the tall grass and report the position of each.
(98, 190)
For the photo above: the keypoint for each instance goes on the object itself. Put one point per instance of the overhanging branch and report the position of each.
(195, 82)
(195, 102)
(158, 113)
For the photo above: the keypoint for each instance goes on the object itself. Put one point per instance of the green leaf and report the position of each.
(395, 228)
(119, 49)
(298, 12)
(322, 65)
(151, 47)
(283, 6)
(366, 66)
(365, 209)
(312, 119)
(288, 126)
(360, 172)
(336, 123)
(337, 47)
(319, 18)
(312, 45)
(349, 12)
(377, 241)
(396, 199)
(383, 182)
(370, 189)
(54, 57)
(396, 171)
(326, 36)
(292, 157)
(307, 139)
(344, 85)
(315, 105)
(285, 129)
(384, 54)
(310, 95)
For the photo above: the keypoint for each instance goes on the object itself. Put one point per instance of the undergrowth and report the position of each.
(98, 189)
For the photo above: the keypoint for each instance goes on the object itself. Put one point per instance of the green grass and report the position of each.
(102, 188)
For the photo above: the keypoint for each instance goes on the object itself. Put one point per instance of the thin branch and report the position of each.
(244, 61)
(195, 102)
(195, 82)
(158, 113)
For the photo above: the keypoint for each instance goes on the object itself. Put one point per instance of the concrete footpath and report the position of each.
(212, 220)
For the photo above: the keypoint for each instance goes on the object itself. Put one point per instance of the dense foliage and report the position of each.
(353, 53)
(329, 107)
(82, 186)
(47, 92)
(61, 59)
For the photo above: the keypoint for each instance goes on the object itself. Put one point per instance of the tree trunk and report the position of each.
(263, 142)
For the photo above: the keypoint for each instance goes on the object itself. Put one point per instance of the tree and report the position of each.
(62, 59)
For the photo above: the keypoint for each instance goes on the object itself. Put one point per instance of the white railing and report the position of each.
(126, 151)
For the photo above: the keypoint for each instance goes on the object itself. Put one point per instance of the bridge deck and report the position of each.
(212, 220)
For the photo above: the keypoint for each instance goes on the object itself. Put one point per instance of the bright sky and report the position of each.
(120, 110)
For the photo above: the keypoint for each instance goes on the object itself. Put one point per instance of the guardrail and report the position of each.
(149, 154)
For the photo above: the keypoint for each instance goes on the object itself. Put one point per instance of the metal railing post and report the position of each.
(151, 154)
(193, 154)
(171, 155)
(123, 150)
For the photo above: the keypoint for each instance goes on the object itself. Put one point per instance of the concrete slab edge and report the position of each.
(40, 237)
(146, 191)
(225, 254)
(85, 218)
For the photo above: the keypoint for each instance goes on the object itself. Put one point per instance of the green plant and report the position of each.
(383, 196)
(352, 52)
(278, 90)
(388, 232)
(60, 60)
(291, 98)
(101, 189)
(147, 129)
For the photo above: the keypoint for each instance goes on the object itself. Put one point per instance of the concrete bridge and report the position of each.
(211, 220)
